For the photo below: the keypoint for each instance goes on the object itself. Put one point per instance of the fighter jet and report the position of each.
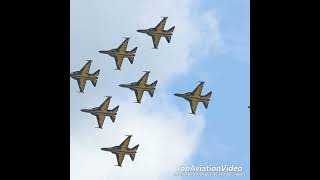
(122, 150)
(157, 32)
(120, 53)
(195, 97)
(102, 111)
(83, 76)
(141, 86)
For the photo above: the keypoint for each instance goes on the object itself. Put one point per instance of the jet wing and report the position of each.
(100, 119)
(86, 68)
(119, 61)
(198, 89)
(193, 105)
(161, 25)
(104, 106)
(144, 78)
(81, 84)
(139, 94)
(125, 143)
(123, 45)
(120, 157)
(156, 40)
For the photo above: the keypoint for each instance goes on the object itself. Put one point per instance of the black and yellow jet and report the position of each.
(120, 53)
(157, 32)
(122, 150)
(141, 86)
(102, 111)
(195, 97)
(83, 76)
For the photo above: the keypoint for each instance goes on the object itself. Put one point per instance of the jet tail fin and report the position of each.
(208, 95)
(115, 109)
(134, 154)
(134, 50)
(151, 91)
(168, 37)
(136, 147)
(95, 75)
(171, 29)
(206, 103)
(131, 58)
(113, 117)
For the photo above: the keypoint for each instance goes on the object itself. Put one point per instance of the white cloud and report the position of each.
(165, 140)
(167, 135)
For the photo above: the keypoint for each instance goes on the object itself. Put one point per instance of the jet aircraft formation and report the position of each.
(138, 87)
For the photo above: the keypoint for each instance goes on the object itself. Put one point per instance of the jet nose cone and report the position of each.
(84, 110)
(179, 95)
(141, 31)
(122, 85)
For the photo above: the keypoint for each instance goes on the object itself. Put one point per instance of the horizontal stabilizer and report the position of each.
(94, 82)
(95, 77)
(153, 85)
(113, 118)
(131, 58)
(206, 104)
(132, 156)
(168, 38)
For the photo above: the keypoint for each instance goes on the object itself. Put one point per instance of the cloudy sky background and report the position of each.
(210, 43)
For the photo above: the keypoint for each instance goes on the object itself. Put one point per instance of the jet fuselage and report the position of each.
(115, 53)
(117, 149)
(193, 97)
(98, 112)
(143, 87)
(152, 32)
(77, 75)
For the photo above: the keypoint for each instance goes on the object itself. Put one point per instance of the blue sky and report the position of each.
(218, 55)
